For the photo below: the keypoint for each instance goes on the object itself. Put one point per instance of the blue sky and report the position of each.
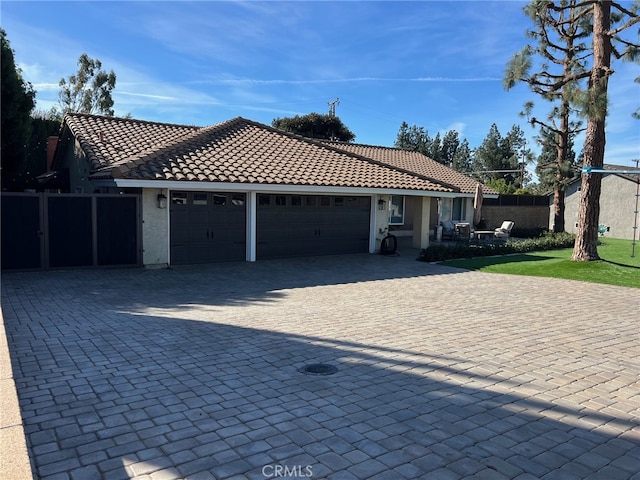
(434, 64)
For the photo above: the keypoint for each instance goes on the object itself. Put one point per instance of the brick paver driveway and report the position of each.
(442, 374)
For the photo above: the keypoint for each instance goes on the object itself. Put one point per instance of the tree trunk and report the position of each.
(558, 211)
(561, 160)
(586, 246)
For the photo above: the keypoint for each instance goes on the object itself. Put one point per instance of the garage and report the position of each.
(300, 225)
(207, 227)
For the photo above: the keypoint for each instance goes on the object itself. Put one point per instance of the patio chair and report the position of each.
(504, 231)
(448, 230)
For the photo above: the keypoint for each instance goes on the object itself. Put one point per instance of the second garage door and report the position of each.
(307, 225)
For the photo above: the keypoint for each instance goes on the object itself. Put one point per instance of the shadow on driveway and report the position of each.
(128, 373)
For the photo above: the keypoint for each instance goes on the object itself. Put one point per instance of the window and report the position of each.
(199, 198)
(219, 199)
(338, 202)
(296, 201)
(396, 211)
(310, 201)
(179, 198)
(325, 201)
(281, 200)
(264, 200)
(237, 199)
(458, 209)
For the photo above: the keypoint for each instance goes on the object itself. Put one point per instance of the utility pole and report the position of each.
(332, 107)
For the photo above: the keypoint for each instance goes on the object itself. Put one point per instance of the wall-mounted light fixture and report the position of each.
(382, 203)
(162, 200)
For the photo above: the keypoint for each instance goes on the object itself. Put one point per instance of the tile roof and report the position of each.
(415, 162)
(243, 151)
(108, 140)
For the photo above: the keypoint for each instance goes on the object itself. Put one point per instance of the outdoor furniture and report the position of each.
(455, 231)
(504, 231)
(462, 232)
(448, 230)
(484, 235)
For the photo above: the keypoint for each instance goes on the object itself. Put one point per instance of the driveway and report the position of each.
(441, 374)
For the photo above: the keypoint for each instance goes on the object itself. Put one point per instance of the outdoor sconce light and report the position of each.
(381, 204)
(162, 200)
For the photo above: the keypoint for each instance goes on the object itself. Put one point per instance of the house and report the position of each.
(618, 203)
(241, 190)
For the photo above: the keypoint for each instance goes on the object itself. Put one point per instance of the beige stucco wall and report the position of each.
(155, 229)
(617, 206)
(382, 219)
(421, 224)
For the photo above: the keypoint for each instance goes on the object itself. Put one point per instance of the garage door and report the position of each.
(207, 227)
(297, 225)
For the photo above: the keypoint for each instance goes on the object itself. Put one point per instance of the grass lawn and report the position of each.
(617, 267)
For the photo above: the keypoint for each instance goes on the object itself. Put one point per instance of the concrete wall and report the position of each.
(155, 229)
(617, 206)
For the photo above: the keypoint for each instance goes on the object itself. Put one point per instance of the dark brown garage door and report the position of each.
(301, 225)
(207, 227)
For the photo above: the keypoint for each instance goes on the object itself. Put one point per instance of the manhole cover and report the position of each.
(318, 369)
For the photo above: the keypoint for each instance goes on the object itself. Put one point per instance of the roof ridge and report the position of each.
(125, 119)
(326, 144)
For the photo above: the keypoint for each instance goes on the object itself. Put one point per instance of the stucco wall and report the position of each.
(617, 206)
(382, 219)
(524, 216)
(155, 230)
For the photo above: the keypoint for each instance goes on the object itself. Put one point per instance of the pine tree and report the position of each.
(558, 42)
(606, 42)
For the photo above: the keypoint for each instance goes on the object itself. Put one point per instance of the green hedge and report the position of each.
(548, 241)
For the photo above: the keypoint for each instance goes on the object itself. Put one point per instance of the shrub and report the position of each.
(548, 241)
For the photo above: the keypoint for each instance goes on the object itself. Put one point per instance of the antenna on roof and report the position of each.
(332, 107)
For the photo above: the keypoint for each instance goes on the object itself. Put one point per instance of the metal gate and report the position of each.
(45, 230)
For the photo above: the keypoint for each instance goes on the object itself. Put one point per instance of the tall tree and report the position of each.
(502, 158)
(413, 138)
(606, 42)
(462, 160)
(315, 125)
(446, 149)
(558, 43)
(434, 150)
(89, 90)
(449, 147)
(17, 101)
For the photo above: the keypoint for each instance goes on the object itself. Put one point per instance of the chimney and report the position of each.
(52, 143)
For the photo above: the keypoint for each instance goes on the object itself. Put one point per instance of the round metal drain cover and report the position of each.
(318, 369)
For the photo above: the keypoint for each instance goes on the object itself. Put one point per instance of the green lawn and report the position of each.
(617, 267)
